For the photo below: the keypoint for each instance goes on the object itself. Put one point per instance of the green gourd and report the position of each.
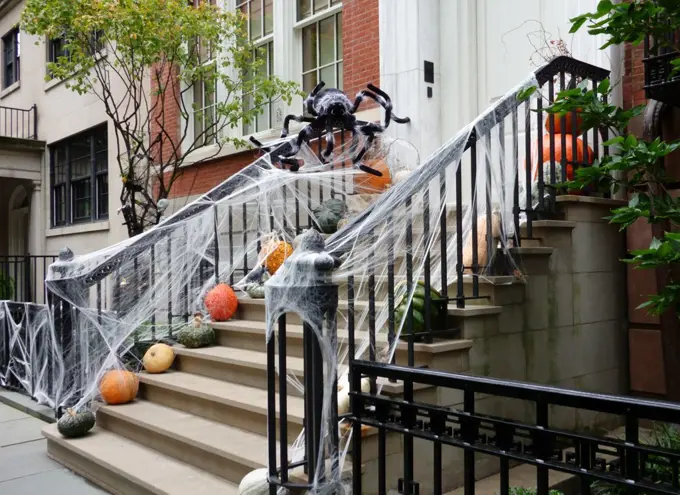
(196, 334)
(75, 424)
(256, 289)
(329, 213)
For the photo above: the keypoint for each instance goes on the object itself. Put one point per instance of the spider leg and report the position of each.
(330, 142)
(296, 118)
(303, 137)
(384, 100)
(369, 131)
(309, 102)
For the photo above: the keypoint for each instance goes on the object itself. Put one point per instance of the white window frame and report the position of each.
(335, 63)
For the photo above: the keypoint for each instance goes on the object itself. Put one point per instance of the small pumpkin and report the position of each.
(221, 302)
(76, 424)
(273, 253)
(119, 387)
(255, 483)
(329, 213)
(158, 358)
(401, 176)
(197, 334)
(569, 123)
(369, 183)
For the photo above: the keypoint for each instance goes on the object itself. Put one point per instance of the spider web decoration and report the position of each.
(147, 288)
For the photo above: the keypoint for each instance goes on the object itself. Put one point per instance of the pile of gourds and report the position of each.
(402, 306)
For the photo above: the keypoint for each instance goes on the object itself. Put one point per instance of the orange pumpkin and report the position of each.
(569, 155)
(569, 123)
(119, 387)
(274, 253)
(365, 183)
(221, 302)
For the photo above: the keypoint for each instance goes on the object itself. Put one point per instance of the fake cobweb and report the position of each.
(105, 305)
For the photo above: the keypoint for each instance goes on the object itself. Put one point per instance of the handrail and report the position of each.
(415, 182)
(464, 139)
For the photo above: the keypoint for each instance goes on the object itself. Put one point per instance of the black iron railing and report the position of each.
(623, 464)
(19, 123)
(22, 278)
(661, 82)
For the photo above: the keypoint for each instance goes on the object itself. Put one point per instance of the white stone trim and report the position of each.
(84, 228)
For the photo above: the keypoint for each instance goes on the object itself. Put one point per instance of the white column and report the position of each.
(36, 227)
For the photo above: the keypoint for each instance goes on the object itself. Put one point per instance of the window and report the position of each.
(263, 121)
(205, 100)
(322, 52)
(79, 178)
(260, 15)
(11, 51)
(307, 8)
(56, 48)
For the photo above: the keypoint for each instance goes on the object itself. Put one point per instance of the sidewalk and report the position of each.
(25, 468)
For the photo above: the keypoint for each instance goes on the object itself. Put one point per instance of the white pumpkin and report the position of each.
(254, 483)
(401, 176)
(343, 393)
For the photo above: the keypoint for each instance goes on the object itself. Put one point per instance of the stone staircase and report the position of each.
(202, 426)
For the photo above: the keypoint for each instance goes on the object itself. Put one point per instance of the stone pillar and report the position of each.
(36, 227)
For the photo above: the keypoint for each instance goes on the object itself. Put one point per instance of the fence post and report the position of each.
(27, 279)
(35, 121)
(303, 285)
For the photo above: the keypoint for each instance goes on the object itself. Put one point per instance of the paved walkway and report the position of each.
(25, 468)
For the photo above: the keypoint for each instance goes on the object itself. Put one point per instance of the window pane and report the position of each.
(309, 81)
(338, 30)
(320, 5)
(268, 16)
(340, 77)
(263, 119)
(304, 8)
(335, 2)
(102, 196)
(328, 76)
(82, 196)
(309, 48)
(198, 95)
(256, 19)
(327, 41)
(60, 205)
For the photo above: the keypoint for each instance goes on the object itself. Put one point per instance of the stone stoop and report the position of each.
(202, 426)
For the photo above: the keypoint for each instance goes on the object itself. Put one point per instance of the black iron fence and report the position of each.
(22, 278)
(19, 123)
(606, 464)
(661, 82)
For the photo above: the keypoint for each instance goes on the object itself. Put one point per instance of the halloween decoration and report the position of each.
(196, 334)
(331, 109)
(75, 424)
(119, 387)
(158, 358)
(221, 302)
(328, 215)
(274, 252)
(370, 183)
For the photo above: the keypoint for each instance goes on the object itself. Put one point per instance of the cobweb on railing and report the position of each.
(453, 213)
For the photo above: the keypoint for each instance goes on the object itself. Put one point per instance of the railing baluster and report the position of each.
(527, 169)
(490, 246)
(541, 447)
(391, 324)
(170, 284)
(408, 385)
(469, 432)
(475, 218)
(460, 269)
(245, 238)
(539, 157)
(443, 235)
(153, 291)
(231, 245)
(283, 400)
(426, 266)
(516, 210)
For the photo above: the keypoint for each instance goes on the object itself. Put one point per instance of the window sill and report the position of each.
(85, 228)
(10, 89)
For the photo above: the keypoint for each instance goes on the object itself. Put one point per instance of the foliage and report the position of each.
(145, 59)
(635, 166)
(6, 287)
(530, 491)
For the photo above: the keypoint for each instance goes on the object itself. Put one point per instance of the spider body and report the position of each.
(331, 109)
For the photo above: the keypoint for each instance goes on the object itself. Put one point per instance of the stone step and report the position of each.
(228, 403)
(219, 449)
(250, 335)
(124, 467)
(235, 364)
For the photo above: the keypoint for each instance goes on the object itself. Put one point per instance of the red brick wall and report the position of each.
(360, 45)
(199, 179)
(633, 76)
(165, 119)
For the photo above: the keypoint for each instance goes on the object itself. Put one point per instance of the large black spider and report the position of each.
(332, 109)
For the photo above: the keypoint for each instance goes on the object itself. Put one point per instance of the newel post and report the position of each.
(303, 286)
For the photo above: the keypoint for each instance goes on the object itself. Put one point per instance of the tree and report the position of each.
(637, 166)
(149, 61)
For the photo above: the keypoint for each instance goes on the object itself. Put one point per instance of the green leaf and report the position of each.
(603, 87)
(614, 141)
(577, 23)
(526, 93)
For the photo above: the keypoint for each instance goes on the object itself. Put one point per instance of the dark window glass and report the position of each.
(10, 53)
(79, 174)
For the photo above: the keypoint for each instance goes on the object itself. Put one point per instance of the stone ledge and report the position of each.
(592, 200)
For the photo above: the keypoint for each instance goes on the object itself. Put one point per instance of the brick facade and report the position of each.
(361, 65)
(634, 76)
(165, 118)
(360, 45)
